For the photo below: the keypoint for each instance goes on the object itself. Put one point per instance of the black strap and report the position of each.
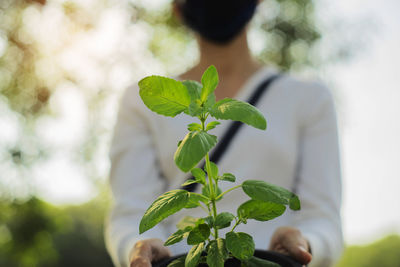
(233, 128)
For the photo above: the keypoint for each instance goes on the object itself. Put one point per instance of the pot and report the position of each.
(281, 259)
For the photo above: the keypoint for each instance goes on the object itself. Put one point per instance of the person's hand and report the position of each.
(289, 241)
(146, 251)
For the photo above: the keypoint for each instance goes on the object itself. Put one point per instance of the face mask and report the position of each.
(219, 21)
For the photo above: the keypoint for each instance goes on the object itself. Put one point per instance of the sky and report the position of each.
(367, 94)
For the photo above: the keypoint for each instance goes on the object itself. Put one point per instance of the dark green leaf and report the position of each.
(163, 95)
(193, 148)
(257, 262)
(209, 220)
(205, 191)
(179, 262)
(217, 253)
(294, 203)
(210, 102)
(260, 210)
(179, 143)
(199, 174)
(198, 234)
(194, 127)
(189, 221)
(194, 200)
(164, 206)
(212, 125)
(241, 245)
(231, 109)
(189, 181)
(260, 190)
(224, 219)
(209, 81)
(228, 177)
(177, 236)
(194, 254)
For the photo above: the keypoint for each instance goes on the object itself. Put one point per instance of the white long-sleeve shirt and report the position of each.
(298, 151)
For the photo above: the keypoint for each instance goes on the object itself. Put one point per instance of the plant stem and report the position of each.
(211, 189)
(227, 191)
(236, 224)
(210, 179)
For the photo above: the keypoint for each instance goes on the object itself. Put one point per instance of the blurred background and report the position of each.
(65, 63)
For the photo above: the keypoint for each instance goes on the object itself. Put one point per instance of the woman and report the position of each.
(299, 151)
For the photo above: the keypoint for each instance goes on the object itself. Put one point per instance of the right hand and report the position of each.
(146, 251)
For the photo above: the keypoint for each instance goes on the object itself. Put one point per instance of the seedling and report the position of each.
(169, 97)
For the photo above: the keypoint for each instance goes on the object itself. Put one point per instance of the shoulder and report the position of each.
(306, 91)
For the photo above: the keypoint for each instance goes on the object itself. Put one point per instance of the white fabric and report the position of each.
(301, 141)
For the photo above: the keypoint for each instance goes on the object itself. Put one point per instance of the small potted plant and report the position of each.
(169, 97)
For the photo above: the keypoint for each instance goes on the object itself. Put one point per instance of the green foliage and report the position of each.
(217, 253)
(223, 220)
(193, 148)
(198, 234)
(164, 96)
(209, 80)
(260, 210)
(241, 245)
(268, 201)
(382, 253)
(231, 109)
(263, 191)
(194, 254)
(164, 206)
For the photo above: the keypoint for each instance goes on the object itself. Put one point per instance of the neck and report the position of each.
(233, 58)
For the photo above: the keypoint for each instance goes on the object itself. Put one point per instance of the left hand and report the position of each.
(290, 241)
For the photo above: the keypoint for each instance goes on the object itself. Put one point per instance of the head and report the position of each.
(218, 21)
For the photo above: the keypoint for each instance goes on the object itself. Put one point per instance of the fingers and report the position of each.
(147, 251)
(288, 240)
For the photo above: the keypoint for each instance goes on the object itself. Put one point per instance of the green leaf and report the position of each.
(177, 236)
(257, 262)
(199, 174)
(210, 102)
(294, 203)
(228, 177)
(179, 262)
(224, 220)
(217, 253)
(214, 170)
(195, 108)
(231, 109)
(198, 234)
(209, 81)
(194, 89)
(188, 221)
(212, 125)
(164, 206)
(260, 190)
(163, 95)
(193, 148)
(241, 245)
(206, 191)
(194, 254)
(209, 220)
(189, 181)
(194, 200)
(194, 127)
(260, 210)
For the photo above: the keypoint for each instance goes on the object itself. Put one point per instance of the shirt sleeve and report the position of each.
(319, 179)
(134, 181)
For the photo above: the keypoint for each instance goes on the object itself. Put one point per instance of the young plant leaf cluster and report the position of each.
(169, 97)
